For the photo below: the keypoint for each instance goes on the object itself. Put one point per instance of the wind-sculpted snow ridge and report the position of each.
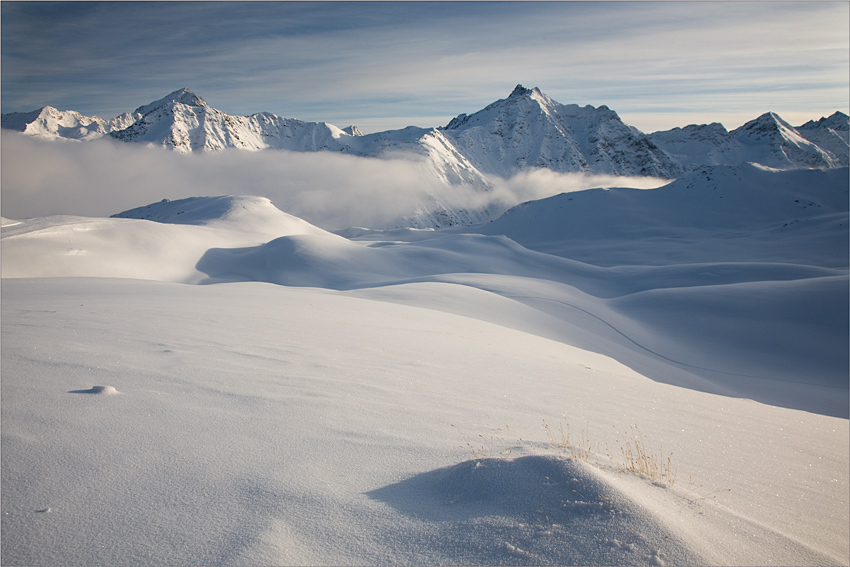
(525, 131)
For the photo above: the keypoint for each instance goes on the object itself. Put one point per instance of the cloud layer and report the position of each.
(391, 64)
(334, 191)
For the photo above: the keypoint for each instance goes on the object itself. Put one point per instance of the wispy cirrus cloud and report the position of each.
(381, 65)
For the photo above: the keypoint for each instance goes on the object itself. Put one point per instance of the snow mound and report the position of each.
(131, 246)
(256, 214)
(532, 510)
(97, 390)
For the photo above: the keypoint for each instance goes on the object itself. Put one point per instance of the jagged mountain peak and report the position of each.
(768, 125)
(533, 94)
(838, 121)
(773, 142)
(518, 98)
(767, 121)
(525, 130)
(521, 91)
(529, 130)
(182, 96)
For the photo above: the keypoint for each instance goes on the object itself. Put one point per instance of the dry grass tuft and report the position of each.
(492, 447)
(581, 449)
(639, 458)
(636, 455)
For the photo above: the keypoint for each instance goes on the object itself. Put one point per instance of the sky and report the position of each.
(387, 65)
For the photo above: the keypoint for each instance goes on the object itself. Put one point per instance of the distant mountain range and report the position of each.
(526, 130)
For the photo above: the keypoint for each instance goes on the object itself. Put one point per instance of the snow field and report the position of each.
(267, 424)
(320, 400)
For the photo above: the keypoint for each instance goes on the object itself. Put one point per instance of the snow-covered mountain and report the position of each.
(184, 122)
(524, 131)
(530, 130)
(767, 140)
(48, 122)
(831, 134)
(773, 142)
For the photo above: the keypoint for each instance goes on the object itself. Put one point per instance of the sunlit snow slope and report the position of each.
(731, 280)
(322, 400)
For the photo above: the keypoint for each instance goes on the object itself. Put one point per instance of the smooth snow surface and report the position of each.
(260, 424)
(434, 397)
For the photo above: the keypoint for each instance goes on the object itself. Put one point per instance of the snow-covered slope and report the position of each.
(254, 424)
(256, 215)
(749, 214)
(321, 400)
(428, 145)
(831, 134)
(599, 257)
(697, 145)
(128, 246)
(837, 123)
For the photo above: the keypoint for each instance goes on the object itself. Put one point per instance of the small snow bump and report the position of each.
(103, 390)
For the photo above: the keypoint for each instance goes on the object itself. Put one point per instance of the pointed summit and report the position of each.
(775, 143)
(181, 96)
(520, 91)
(768, 124)
(529, 130)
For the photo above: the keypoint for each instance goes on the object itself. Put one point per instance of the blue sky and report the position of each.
(386, 65)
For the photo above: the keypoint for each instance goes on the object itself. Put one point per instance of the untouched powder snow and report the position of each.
(511, 394)
(260, 424)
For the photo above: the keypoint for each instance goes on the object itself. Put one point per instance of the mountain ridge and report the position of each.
(527, 130)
